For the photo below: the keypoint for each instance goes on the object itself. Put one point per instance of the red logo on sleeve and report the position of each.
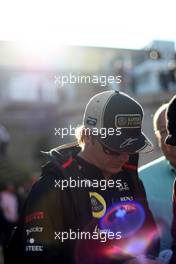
(34, 216)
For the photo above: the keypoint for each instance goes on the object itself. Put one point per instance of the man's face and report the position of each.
(106, 160)
(168, 150)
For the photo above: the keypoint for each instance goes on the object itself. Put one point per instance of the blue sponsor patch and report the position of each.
(91, 121)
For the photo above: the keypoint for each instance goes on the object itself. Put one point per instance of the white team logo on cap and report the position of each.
(128, 142)
(128, 120)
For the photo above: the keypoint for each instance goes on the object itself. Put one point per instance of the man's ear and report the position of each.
(87, 137)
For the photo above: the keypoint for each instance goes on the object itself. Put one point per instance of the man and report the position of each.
(158, 177)
(171, 142)
(91, 189)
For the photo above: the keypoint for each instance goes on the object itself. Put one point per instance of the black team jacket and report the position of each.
(51, 212)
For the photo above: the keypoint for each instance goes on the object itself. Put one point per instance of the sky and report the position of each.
(112, 23)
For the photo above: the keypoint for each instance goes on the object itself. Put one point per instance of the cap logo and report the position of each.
(128, 120)
(128, 142)
(91, 121)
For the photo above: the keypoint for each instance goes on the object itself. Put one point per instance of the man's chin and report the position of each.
(115, 169)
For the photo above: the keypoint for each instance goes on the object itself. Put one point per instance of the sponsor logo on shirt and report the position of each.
(126, 198)
(35, 229)
(98, 204)
(34, 216)
(34, 248)
(124, 186)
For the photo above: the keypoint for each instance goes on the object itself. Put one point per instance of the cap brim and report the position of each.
(132, 144)
(147, 145)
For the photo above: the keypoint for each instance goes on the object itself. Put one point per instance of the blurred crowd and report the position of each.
(11, 196)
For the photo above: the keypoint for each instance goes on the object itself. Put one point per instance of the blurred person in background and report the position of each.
(4, 140)
(8, 213)
(158, 177)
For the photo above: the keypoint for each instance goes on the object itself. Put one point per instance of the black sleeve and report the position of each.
(34, 240)
(149, 224)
